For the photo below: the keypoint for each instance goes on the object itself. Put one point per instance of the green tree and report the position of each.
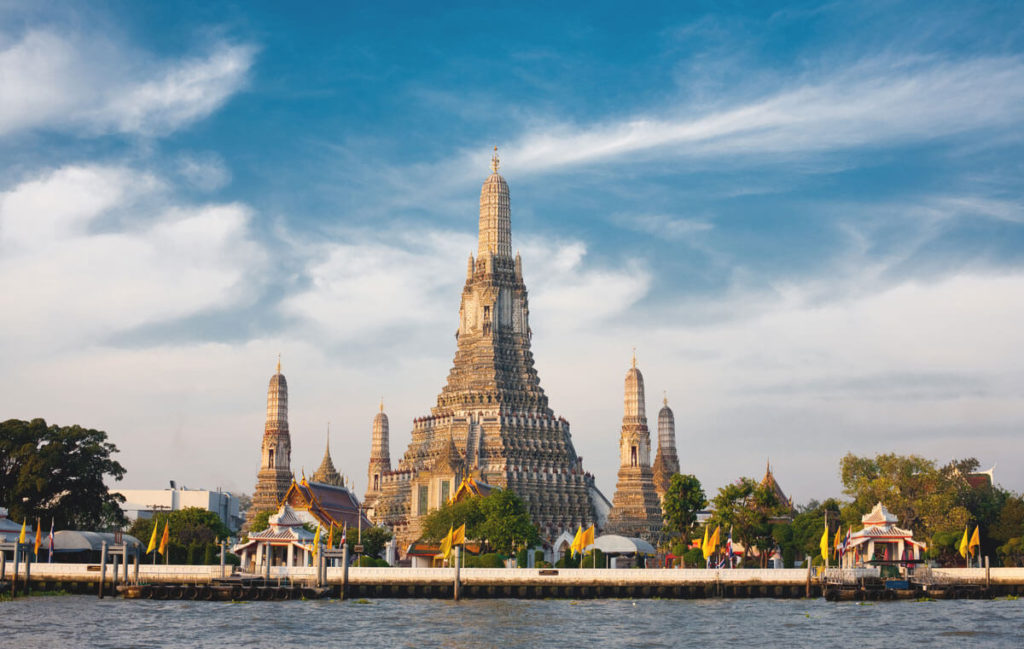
(924, 498)
(507, 524)
(374, 539)
(684, 498)
(189, 526)
(261, 521)
(58, 473)
(437, 523)
(748, 508)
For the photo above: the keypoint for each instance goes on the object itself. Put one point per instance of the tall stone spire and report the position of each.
(492, 407)
(636, 510)
(326, 473)
(666, 462)
(495, 215)
(380, 459)
(275, 474)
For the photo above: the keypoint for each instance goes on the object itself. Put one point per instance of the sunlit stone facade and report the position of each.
(636, 508)
(275, 474)
(492, 419)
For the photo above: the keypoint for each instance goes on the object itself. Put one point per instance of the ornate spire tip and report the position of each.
(278, 362)
(495, 161)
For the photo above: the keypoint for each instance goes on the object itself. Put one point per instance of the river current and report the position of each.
(78, 621)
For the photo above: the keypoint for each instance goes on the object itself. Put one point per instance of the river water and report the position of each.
(79, 621)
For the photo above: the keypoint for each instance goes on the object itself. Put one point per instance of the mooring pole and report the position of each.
(28, 571)
(115, 562)
(138, 558)
(808, 593)
(103, 566)
(14, 577)
(266, 560)
(344, 571)
(458, 566)
(988, 577)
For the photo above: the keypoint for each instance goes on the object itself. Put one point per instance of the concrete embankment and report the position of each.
(536, 583)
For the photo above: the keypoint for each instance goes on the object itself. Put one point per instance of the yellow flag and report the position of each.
(459, 536)
(704, 545)
(152, 537)
(588, 538)
(446, 543)
(714, 538)
(575, 547)
(824, 543)
(166, 538)
(975, 542)
(316, 540)
(839, 539)
(330, 537)
(963, 543)
(21, 537)
(39, 536)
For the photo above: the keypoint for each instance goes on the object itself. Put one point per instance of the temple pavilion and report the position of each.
(882, 540)
(285, 543)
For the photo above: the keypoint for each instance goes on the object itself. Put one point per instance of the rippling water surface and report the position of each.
(83, 621)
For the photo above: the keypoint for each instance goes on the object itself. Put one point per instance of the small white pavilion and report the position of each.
(285, 543)
(881, 539)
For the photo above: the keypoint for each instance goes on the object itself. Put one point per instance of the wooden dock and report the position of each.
(208, 583)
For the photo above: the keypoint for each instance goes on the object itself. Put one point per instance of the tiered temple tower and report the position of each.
(636, 510)
(380, 460)
(666, 462)
(326, 473)
(492, 413)
(275, 474)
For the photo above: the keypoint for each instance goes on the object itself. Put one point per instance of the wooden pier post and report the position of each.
(114, 561)
(344, 571)
(138, 559)
(14, 577)
(222, 562)
(266, 561)
(28, 572)
(808, 591)
(988, 576)
(103, 566)
(458, 563)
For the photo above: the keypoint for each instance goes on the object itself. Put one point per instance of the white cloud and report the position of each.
(206, 172)
(71, 273)
(85, 83)
(876, 103)
(374, 282)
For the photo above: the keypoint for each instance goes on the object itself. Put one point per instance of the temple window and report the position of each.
(270, 457)
(376, 482)
(423, 503)
(632, 456)
(446, 487)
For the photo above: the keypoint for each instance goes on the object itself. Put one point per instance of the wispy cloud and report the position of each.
(87, 84)
(89, 250)
(875, 103)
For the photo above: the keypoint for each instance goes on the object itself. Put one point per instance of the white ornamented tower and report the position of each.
(491, 421)
(380, 460)
(636, 509)
(275, 474)
(666, 462)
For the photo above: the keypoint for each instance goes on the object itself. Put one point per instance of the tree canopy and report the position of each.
(189, 526)
(58, 472)
(748, 508)
(500, 520)
(684, 498)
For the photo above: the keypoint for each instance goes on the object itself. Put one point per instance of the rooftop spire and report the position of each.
(278, 362)
(634, 357)
(495, 216)
(664, 401)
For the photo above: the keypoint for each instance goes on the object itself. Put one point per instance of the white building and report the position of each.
(143, 503)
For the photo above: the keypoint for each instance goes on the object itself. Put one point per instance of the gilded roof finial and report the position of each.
(278, 362)
(634, 358)
(495, 161)
(382, 404)
(665, 400)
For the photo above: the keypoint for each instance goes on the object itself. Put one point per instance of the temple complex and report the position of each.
(636, 509)
(491, 421)
(275, 474)
(380, 460)
(666, 461)
(326, 473)
(785, 502)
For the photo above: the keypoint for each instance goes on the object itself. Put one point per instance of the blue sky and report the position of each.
(806, 217)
